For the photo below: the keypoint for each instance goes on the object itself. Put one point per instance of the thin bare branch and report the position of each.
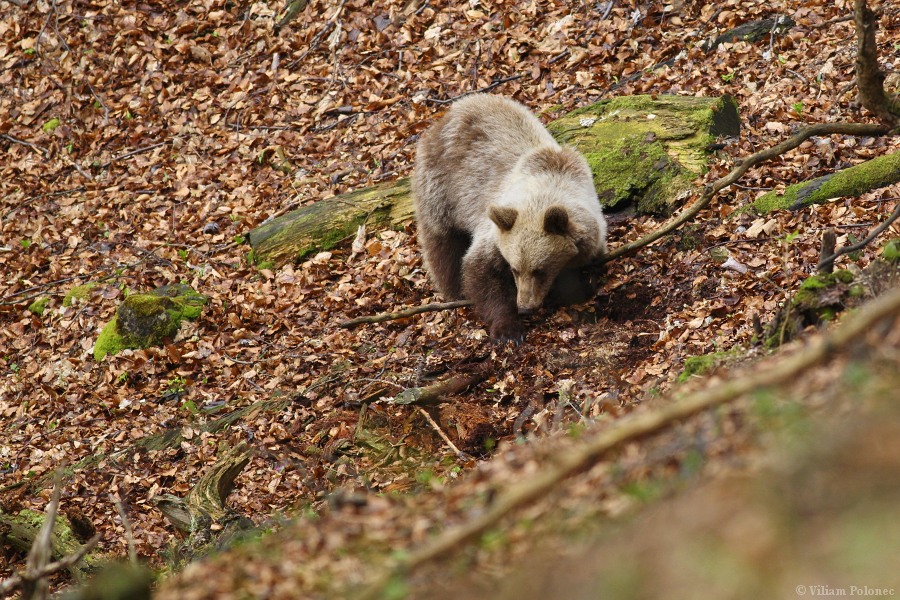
(43, 151)
(459, 453)
(129, 536)
(134, 152)
(406, 312)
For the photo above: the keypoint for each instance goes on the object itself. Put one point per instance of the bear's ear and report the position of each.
(556, 221)
(504, 217)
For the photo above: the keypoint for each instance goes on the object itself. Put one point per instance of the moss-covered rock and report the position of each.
(144, 320)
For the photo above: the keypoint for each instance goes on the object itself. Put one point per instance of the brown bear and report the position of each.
(502, 209)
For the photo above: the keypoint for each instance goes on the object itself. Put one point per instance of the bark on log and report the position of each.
(642, 149)
(853, 181)
(205, 505)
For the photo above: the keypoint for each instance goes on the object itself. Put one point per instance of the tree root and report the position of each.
(205, 504)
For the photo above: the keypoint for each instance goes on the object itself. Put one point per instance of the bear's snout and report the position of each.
(529, 299)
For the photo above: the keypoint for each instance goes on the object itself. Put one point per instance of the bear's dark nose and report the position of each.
(525, 311)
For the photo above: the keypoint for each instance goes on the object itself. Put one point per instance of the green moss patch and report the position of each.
(703, 364)
(891, 251)
(39, 306)
(79, 292)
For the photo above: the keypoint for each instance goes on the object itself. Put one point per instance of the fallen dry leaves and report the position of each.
(141, 140)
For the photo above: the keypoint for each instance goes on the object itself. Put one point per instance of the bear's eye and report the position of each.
(539, 273)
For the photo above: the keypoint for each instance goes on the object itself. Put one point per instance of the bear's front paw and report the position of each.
(508, 331)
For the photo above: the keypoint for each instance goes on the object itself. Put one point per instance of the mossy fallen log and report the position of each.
(645, 150)
(323, 225)
(853, 181)
(20, 529)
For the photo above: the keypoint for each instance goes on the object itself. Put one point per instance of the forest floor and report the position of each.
(141, 141)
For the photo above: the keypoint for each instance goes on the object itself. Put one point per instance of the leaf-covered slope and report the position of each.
(140, 140)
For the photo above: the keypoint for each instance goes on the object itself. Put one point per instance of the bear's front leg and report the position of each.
(489, 283)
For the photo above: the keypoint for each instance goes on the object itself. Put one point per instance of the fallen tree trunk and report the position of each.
(437, 392)
(853, 181)
(642, 150)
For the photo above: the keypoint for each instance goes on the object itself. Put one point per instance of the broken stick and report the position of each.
(435, 393)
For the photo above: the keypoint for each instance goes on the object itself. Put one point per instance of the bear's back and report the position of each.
(462, 161)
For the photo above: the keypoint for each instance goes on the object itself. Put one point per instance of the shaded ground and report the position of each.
(176, 133)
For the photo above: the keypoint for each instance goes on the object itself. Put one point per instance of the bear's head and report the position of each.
(537, 249)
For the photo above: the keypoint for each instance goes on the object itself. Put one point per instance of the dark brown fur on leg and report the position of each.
(488, 282)
(444, 252)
